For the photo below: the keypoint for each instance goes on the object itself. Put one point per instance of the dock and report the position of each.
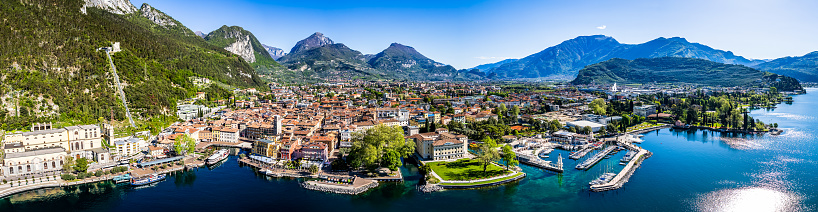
(623, 176)
(596, 158)
(579, 154)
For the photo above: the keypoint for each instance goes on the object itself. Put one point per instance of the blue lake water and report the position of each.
(689, 171)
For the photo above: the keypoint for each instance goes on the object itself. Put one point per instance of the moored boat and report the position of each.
(147, 179)
(217, 156)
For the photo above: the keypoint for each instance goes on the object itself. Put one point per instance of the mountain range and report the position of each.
(565, 59)
(804, 68)
(323, 58)
(681, 70)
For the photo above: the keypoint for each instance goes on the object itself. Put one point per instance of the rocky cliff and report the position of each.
(274, 52)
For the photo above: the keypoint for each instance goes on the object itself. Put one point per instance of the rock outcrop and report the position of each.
(114, 6)
(156, 16)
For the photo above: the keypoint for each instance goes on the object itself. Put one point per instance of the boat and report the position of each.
(218, 156)
(628, 156)
(602, 179)
(147, 179)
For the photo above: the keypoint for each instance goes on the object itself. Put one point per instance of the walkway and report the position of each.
(623, 175)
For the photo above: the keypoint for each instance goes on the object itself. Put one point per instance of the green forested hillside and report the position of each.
(681, 70)
(50, 56)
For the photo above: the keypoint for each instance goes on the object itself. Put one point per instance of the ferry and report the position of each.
(218, 156)
(603, 179)
(147, 179)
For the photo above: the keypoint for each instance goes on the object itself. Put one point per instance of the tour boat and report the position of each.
(218, 156)
(147, 179)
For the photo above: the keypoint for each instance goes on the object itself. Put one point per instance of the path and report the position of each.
(119, 87)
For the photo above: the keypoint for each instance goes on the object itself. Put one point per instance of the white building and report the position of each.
(644, 110)
(47, 161)
(582, 124)
(129, 146)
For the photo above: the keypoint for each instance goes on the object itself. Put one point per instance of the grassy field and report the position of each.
(486, 182)
(465, 169)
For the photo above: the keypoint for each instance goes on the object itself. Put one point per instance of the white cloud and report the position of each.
(492, 58)
(602, 27)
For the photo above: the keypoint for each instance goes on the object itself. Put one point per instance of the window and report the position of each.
(28, 168)
(11, 170)
(45, 165)
(53, 164)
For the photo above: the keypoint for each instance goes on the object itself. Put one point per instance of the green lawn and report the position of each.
(465, 169)
(486, 182)
(643, 125)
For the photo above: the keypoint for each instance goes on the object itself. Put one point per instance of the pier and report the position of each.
(596, 158)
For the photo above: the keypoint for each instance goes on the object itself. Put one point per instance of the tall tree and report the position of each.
(486, 155)
(509, 157)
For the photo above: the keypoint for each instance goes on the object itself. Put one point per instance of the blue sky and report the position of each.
(469, 33)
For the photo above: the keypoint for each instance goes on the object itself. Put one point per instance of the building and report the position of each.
(644, 110)
(125, 147)
(156, 152)
(229, 135)
(314, 151)
(568, 137)
(582, 124)
(48, 161)
(288, 149)
(79, 141)
(440, 145)
(266, 148)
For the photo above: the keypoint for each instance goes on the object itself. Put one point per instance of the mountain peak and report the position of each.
(315, 40)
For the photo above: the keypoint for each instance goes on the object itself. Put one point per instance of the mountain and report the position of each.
(330, 61)
(200, 34)
(51, 57)
(274, 52)
(681, 70)
(565, 59)
(804, 68)
(404, 62)
(313, 41)
(489, 66)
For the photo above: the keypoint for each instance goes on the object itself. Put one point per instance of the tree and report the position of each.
(509, 157)
(515, 111)
(69, 164)
(370, 148)
(486, 155)
(598, 106)
(392, 160)
(314, 169)
(184, 144)
(82, 165)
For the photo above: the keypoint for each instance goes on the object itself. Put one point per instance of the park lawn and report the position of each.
(643, 125)
(465, 169)
(485, 182)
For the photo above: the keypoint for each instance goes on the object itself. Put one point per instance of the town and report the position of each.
(346, 137)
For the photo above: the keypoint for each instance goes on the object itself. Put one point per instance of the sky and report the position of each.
(467, 33)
